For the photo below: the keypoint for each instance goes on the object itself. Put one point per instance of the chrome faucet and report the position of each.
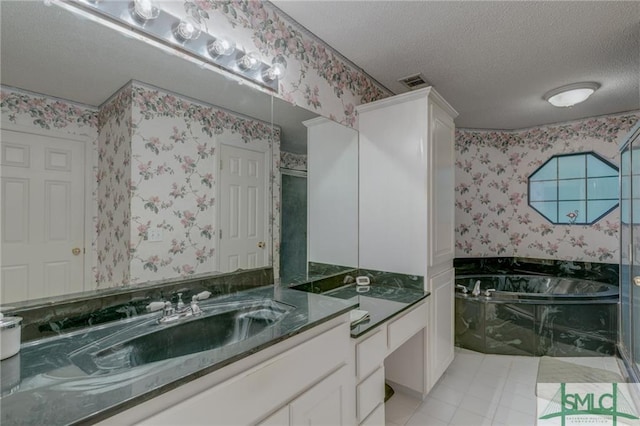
(476, 289)
(181, 311)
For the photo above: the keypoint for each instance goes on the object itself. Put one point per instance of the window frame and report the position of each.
(585, 181)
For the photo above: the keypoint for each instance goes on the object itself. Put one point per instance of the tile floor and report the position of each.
(479, 390)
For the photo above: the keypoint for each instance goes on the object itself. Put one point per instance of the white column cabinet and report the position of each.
(406, 204)
(441, 339)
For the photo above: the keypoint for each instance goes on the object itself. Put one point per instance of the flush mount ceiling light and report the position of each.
(571, 94)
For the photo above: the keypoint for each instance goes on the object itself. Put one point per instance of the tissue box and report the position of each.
(10, 328)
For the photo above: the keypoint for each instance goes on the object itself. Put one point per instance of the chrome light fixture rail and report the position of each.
(184, 37)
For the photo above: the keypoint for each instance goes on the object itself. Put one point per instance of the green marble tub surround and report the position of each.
(54, 390)
(537, 315)
(602, 272)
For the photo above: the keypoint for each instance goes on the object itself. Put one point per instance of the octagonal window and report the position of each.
(574, 188)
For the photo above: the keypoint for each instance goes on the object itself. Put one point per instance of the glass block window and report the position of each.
(574, 188)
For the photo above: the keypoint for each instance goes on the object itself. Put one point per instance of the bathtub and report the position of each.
(536, 315)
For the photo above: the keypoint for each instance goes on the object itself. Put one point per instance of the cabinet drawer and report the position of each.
(370, 393)
(376, 418)
(400, 330)
(370, 353)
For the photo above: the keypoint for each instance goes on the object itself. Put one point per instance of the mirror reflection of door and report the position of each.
(43, 216)
(243, 209)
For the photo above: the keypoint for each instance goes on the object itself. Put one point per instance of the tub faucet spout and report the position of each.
(476, 289)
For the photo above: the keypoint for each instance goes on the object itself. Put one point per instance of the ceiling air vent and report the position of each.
(415, 81)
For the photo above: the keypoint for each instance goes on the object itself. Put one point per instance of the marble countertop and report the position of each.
(41, 385)
(382, 301)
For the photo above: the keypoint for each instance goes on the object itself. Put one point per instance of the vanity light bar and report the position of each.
(162, 30)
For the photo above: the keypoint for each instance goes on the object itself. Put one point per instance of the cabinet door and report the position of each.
(327, 403)
(279, 418)
(441, 176)
(440, 344)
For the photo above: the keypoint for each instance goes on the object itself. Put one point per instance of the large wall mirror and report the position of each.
(175, 136)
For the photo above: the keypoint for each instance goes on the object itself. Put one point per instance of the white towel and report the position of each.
(358, 315)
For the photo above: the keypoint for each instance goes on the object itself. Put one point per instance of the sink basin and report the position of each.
(219, 326)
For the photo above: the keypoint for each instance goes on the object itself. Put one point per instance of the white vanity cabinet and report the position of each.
(406, 204)
(306, 379)
(373, 348)
(323, 404)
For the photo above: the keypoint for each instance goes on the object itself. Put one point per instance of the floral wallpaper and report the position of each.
(493, 217)
(114, 200)
(35, 110)
(155, 158)
(317, 77)
(291, 161)
(55, 116)
(173, 180)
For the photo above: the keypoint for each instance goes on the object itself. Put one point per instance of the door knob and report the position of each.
(261, 244)
(636, 280)
(75, 251)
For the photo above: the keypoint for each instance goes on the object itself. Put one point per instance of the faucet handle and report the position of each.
(488, 292)
(195, 308)
(168, 309)
(464, 289)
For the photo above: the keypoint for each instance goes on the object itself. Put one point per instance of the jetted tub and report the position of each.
(536, 315)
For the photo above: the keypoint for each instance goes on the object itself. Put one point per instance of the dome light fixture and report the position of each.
(571, 94)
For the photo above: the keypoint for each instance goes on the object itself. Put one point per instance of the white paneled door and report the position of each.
(43, 216)
(243, 212)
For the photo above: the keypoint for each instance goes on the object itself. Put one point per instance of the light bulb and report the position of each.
(220, 47)
(145, 10)
(187, 29)
(249, 61)
(277, 69)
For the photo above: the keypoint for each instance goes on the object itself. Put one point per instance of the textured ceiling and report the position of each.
(493, 61)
